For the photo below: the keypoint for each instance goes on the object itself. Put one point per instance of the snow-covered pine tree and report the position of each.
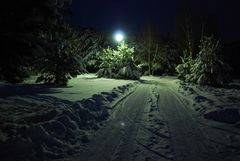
(118, 63)
(64, 60)
(207, 68)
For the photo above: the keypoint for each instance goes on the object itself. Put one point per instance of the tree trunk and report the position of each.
(149, 64)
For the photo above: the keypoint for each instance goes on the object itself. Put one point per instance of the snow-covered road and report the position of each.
(189, 141)
(153, 124)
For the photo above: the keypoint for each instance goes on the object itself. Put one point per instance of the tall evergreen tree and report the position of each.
(21, 22)
(63, 59)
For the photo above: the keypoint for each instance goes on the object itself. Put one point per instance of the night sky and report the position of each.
(133, 15)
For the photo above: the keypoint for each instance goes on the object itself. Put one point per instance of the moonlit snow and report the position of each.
(156, 118)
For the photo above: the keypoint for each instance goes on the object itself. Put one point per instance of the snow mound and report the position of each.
(46, 128)
(229, 115)
(218, 104)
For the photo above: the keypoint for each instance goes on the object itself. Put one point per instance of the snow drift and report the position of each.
(217, 104)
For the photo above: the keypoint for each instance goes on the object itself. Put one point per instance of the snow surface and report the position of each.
(42, 123)
(219, 104)
(155, 119)
(217, 111)
(84, 86)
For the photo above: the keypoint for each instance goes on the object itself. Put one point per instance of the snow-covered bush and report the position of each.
(63, 60)
(118, 63)
(184, 69)
(206, 68)
(130, 71)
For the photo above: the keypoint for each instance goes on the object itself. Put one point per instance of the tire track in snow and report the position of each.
(150, 138)
(137, 132)
(119, 131)
(188, 140)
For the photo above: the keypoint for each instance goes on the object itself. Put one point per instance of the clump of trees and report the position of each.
(118, 63)
(35, 39)
(207, 68)
(159, 54)
(166, 59)
(201, 60)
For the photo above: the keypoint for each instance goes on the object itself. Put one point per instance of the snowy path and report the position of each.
(130, 135)
(152, 124)
(189, 142)
(120, 131)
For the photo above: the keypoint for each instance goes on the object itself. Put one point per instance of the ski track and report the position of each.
(153, 124)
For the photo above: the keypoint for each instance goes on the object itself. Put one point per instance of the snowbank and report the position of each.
(218, 104)
(41, 127)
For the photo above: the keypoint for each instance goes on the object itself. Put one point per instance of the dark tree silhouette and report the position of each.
(158, 53)
(193, 22)
(21, 22)
(148, 46)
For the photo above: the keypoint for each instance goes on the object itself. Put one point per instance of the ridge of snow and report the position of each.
(46, 128)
